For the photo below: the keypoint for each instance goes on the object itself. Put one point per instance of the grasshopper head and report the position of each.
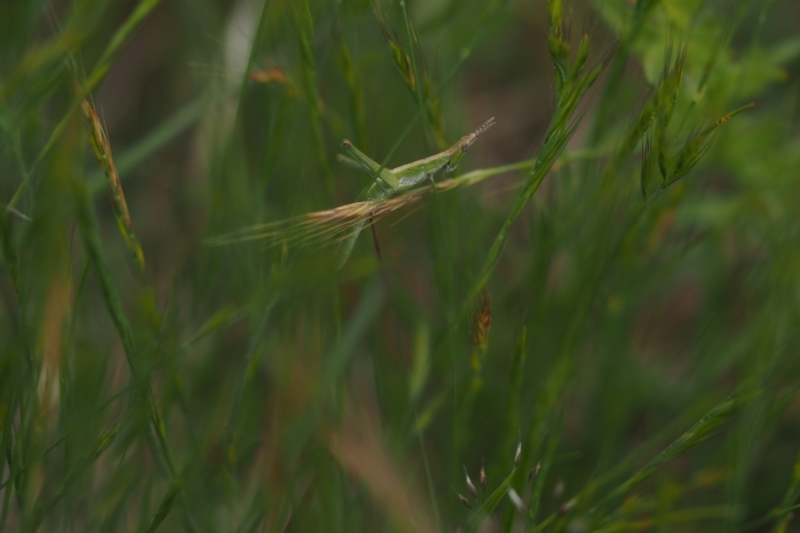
(465, 143)
(455, 159)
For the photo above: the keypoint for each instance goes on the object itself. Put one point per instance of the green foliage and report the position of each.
(594, 320)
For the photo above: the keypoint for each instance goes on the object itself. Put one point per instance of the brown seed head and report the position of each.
(483, 323)
(272, 74)
(465, 502)
(534, 471)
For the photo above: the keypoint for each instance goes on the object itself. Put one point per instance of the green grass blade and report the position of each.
(483, 512)
(164, 507)
(308, 76)
(704, 429)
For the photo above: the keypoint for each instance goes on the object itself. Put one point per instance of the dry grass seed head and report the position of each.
(470, 485)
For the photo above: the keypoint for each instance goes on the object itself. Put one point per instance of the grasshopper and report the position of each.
(390, 182)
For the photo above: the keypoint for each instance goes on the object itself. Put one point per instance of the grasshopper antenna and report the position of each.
(472, 137)
(485, 126)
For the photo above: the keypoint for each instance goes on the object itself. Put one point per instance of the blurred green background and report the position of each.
(611, 334)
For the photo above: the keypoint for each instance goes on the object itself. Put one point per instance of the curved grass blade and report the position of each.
(98, 73)
(165, 507)
(701, 431)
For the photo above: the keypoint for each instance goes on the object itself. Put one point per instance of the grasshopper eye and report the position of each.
(455, 159)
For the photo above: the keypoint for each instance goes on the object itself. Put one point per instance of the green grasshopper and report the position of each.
(389, 183)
